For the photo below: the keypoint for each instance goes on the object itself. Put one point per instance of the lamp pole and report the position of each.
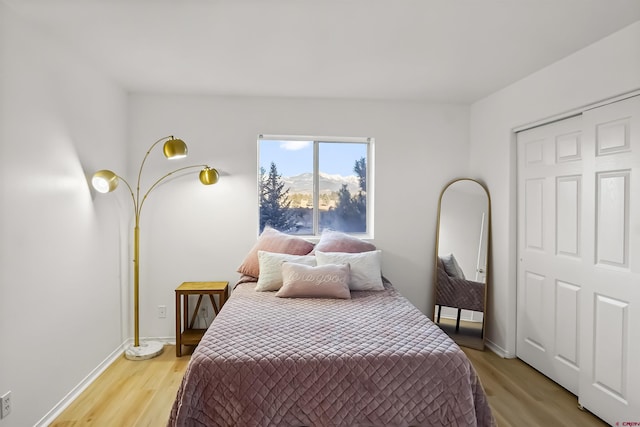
(106, 181)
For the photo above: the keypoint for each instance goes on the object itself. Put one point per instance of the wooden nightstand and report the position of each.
(189, 335)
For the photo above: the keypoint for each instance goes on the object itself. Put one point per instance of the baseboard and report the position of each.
(77, 390)
(498, 350)
(164, 340)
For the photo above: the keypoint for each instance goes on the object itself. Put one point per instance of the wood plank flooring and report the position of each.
(129, 393)
(521, 396)
(141, 394)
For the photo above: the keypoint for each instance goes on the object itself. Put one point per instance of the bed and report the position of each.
(370, 360)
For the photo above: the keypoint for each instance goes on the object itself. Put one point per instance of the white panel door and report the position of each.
(579, 256)
(610, 301)
(550, 249)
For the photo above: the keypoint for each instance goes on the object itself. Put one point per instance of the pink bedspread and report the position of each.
(374, 360)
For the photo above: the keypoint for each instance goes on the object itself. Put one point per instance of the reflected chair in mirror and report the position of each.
(457, 292)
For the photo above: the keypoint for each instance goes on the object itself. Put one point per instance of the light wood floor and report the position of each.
(129, 393)
(521, 396)
(141, 394)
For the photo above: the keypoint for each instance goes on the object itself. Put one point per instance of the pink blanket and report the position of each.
(374, 360)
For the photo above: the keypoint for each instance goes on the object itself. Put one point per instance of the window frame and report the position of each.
(317, 140)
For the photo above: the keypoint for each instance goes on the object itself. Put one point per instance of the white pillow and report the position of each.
(452, 267)
(366, 274)
(270, 278)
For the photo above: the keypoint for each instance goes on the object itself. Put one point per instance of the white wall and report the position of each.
(192, 232)
(605, 69)
(59, 249)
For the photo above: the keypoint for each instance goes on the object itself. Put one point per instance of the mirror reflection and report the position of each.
(462, 244)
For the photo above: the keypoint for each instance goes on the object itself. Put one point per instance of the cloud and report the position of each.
(294, 145)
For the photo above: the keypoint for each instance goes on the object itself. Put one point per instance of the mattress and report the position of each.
(372, 360)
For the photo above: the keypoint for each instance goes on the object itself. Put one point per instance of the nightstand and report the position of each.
(185, 332)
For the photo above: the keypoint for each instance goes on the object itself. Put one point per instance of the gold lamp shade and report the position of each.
(175, 149)
(209, 176)
(104, 181)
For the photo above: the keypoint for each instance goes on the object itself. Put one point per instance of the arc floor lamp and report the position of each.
(105, 181)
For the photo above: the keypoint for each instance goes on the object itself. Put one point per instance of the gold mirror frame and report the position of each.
(467, 337)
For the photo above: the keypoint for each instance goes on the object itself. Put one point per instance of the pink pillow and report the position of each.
(327, 281)
(272, 240)
(336, 241)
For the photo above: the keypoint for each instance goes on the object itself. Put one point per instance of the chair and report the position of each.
(458, 293)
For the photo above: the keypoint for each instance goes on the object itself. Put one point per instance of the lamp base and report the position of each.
(146, 350)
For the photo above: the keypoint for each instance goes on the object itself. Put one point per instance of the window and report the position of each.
(307, 184)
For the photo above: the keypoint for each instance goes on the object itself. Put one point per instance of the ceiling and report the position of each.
(439, 50)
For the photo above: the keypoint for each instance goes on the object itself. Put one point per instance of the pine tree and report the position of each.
(360, 169)
(360, 199)
(274, 201)
(350, 213)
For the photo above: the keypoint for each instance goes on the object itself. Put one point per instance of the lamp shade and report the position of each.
(209, 176)
(104, 181)
(175, 149)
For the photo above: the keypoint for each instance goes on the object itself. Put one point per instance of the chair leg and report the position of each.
(458, 320)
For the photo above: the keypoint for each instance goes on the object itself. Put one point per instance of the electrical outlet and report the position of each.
(162, 311)
(203, 312)
(5, 408)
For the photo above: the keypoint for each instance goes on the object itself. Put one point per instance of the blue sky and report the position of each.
(296, 157)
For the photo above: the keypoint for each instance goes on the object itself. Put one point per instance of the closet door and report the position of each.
(579, 256)
(610, 300)
(551, 253)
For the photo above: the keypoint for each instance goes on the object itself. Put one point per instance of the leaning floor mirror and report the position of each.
(461, 264)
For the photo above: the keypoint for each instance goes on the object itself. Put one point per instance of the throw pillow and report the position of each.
(336, 241)
(452, 267)
(272, 240)
(366, 272)
(326, 281)
(271, 268)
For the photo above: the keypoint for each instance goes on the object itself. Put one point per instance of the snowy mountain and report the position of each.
(303, 183)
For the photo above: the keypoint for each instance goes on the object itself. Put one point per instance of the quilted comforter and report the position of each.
(373, 360)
